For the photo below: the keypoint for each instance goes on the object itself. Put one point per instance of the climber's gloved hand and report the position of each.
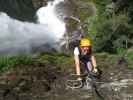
(95, 70)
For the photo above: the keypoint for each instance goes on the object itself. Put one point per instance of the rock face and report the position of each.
(47, 82)
(30, 83)
(118, 83)
(39, 3)
(22, 9)
(19, 9)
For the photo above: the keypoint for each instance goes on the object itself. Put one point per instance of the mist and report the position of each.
(21, 37)
(17, 37)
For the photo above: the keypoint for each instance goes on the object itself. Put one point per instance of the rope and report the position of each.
(89, 79)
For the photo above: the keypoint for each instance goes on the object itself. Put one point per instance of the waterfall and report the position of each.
(46, 15)
(21, 37)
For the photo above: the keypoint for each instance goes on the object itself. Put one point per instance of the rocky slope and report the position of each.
(47, 81)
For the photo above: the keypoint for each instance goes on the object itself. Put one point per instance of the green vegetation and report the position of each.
(56, 59)
(61, 60)
(111, 29)
(108, 22)
(46, 58)
(106, 60)
(10, 62)
(129, 57)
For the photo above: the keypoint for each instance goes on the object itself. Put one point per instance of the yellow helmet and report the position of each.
(85, 42)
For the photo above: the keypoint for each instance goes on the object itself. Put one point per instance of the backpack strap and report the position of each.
(79, 51)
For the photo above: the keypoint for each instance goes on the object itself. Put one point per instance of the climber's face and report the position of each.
(85, 49)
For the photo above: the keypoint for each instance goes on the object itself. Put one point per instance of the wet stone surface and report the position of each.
(45, 82)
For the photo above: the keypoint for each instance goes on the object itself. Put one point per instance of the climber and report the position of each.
(83, 55)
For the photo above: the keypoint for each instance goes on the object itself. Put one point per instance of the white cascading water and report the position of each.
(20, 37)
(46, 15)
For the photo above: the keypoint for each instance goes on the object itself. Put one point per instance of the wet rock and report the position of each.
(29, 83)
(22, 9)
(47, 82)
